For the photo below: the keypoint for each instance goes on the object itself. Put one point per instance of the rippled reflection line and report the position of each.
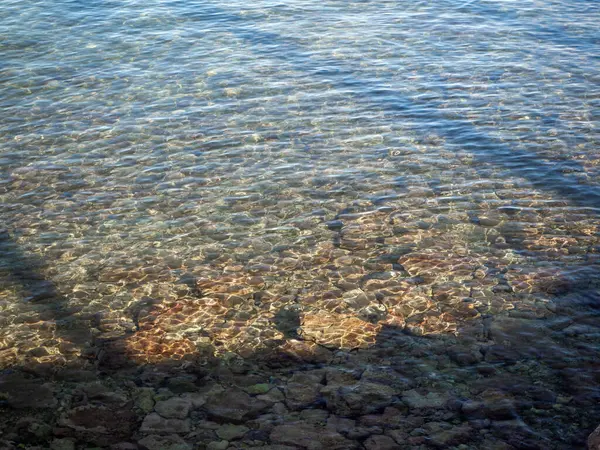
(461, 134)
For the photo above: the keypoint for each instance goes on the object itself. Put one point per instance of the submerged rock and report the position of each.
(26, 393)
(170, 442)
(153, 423)
(173, 408)
(593, 441)
(99, 425)
(233, 406)
(309, 436)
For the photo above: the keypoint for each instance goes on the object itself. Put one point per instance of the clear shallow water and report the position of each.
(183, 180)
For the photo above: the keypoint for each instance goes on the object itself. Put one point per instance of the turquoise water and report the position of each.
(191, 179)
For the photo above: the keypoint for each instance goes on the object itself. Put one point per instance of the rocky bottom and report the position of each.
(485, 388)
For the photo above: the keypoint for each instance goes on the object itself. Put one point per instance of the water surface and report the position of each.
(409, 185)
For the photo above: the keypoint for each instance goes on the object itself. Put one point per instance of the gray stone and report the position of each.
(153, 423)
(62, 444)
(229, 432)
(173, 408)
(340, 424)
(98, 425)
(594, 439)
(182, 384)
(217, 445)
(234, 406)
(361, 398)
(417, 400)
(380, 442)
(303, 390)
(305, 435)
(273, 396)
(124, 446)
(101, 393)
(196, 399)
(144, 399)
(31, 426)
(444, 438)
(273, 447)
(316, 416)
(260, 388)
(171, 442)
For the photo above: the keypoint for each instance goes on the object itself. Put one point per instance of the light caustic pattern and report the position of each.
(185, 179)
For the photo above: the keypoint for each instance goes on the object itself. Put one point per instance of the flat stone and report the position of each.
(451, 437)
(380, 442)
(196, 399)
(124, 446)
(62, 444)
(170, 442)
(340, 424)
(361, 398)
(303, 390)
(273, 396)
(273, 447)
(313, 437)
(100, 393)
(217, 445)
(316, 416)
(154, 423)
(417, 400)
(182, 384)
(497, 406)
(229, 432)
(233, 406)
(260, 388)
(173, 408)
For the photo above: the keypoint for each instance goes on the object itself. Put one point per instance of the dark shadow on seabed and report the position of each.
(22, 273)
